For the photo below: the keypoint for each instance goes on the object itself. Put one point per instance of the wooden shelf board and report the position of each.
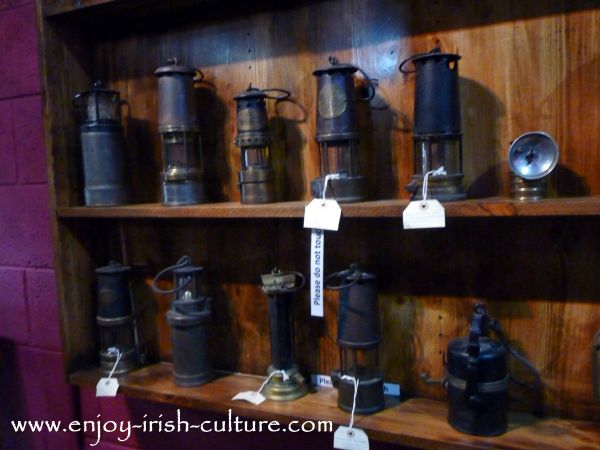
(490, 207)
(418, 423)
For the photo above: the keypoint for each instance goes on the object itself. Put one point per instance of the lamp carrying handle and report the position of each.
(479, 323)
(283, 94)
(341, 275)
(182, 262)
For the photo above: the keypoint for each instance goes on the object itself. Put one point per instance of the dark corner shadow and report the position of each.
(286, 150)
(481, 112)
(212, 114)
(377, 121)
(568, 183)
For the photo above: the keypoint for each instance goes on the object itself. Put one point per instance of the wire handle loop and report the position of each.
(284, 94)
(182, 262)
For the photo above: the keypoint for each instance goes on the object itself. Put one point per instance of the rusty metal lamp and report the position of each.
(189, 318)
(337, 133)
(279, 287)
(119, 346)
(437, 135)
(179, 128)
(103, 147)
(359, 335)
(255, 180)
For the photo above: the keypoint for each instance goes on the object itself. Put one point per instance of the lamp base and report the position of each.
(256, 186)
(528, 190)
(183, 193)
(445, 188)
(369, 398)
(344, 190)
(283, 391)
(130, 360)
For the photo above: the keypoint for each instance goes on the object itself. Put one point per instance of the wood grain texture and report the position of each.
(526, 66)
(416, 423)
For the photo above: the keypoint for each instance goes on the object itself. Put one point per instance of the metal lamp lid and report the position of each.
(335, 66)
(250, 93)
(435, 53)
(173, 67)
(113, 267)
(533, 155)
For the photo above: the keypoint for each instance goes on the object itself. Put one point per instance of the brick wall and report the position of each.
(31, 377)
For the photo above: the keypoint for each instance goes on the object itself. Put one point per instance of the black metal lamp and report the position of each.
(119, 347)
(103, 147)
(437, 135)
(189, 318)
(359, 335)
(279, 287)
(179, 128)
(337, 133)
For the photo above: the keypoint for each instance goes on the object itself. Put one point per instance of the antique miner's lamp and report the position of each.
(179, 128)
(254, 140)
(103, 147)
(437, 136)
(189, 318)
(477, 378)
(359, 335)
(337, 133)
(531, 157)
(119, 347)
(279, 287)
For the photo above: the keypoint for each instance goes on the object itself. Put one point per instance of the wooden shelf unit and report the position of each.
(525, 66)
(495, 207)
(417, 423)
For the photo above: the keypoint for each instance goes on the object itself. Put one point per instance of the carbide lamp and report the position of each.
(103, 147)
(359, 335)
(179, 128)
(531, 157)
(437, 136)
(279, 287)
(337, 133)
(189, 318)
(116, 320)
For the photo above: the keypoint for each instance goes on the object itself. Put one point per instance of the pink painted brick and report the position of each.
(44, 325)
(19, 71)
(28, 131)
(25, 226)
(89, 406)
(45, 393)
(63, 441)
(103, 445)
(13, 306)
(8, 165)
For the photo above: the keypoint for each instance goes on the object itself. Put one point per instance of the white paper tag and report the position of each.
(317, 256)
(256, 398)
(325, 381)
(107, 387)
(424, 214)
(322, 214)
(350, 439)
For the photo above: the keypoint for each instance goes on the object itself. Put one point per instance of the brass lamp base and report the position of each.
(283, 391)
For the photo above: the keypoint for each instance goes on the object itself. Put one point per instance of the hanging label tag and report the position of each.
(256, 398)
(317, 255)
(107, 387)
(350, 439)
(322, 214)
(325, 381)
(424, 214)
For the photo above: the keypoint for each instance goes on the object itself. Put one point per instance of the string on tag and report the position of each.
(433, 173)
(272, 374)
(112, 351)
(355, 381)
(331, 176)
